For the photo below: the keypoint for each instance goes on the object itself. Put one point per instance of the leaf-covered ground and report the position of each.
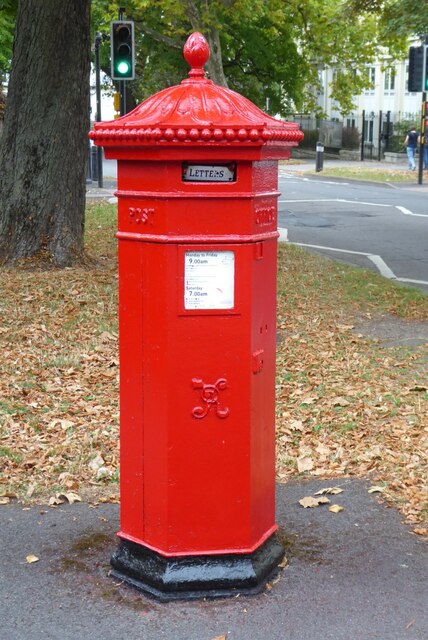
(346, 405)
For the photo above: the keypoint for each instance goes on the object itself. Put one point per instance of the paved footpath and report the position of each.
(357, 575)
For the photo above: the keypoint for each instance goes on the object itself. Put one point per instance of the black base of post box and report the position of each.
(191, 577)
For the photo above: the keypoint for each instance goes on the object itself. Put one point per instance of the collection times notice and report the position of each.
(209, 279)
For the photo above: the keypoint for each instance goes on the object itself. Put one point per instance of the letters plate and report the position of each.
(209, 279)
(208, 172)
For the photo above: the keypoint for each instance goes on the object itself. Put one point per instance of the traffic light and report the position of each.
(122, 50)
(416, 68)
(425, 85)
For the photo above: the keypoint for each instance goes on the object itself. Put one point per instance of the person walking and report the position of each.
(411, 142)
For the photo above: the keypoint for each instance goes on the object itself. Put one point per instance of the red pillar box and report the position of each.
(197, 190)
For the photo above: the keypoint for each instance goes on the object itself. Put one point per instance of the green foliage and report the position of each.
(8, 10)
(396, 141)
(269, 48)
(350, 138)
(401, 19)
(310, 140)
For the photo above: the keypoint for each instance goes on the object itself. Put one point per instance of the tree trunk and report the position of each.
(43, 150)
(215, 63)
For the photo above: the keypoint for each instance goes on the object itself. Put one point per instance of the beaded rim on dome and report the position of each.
(196, 111)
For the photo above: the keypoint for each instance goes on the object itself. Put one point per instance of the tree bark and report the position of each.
(43, 150)
(215, 62)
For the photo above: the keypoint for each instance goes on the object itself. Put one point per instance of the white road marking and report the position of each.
(384, 270)
(401, 209)
(291, 175)
(283, 234)
(369, 204)
(410, 213)
(414, 281)
(378, 261)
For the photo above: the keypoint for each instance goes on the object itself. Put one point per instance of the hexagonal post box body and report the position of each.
(197, 193)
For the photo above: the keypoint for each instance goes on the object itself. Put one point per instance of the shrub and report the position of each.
(310, 140)
(350, 138)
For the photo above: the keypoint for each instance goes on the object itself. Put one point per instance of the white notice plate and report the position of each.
(208, 172)
(209, 279)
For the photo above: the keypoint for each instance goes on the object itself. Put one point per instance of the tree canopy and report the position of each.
(262, 48)
(8, 10)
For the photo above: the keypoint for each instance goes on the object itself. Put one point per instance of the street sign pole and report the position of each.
(422, 137)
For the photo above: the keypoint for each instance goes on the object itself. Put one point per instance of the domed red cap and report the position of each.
(197, 112)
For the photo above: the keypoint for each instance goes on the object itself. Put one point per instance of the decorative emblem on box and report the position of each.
(210, 398)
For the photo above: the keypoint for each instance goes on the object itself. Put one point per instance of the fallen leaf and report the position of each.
(8, 494)
(223, 637)
(304, 464)
(340, 402)
(335, 508)
(309, 400)
(329, 490)
(66, 424)
(31, 490)
(421, 531)
(375, 489)
(71, 497)
(310, 502)
(31, 559)
(297, 425)
(4, 500)
(283, 563)
(96, 462)
(323, 450)
(345, 327)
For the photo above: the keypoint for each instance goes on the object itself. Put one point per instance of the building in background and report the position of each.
(377, 123)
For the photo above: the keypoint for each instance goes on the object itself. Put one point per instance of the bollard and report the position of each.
(197, 198)
(94, 162)
(319, 161)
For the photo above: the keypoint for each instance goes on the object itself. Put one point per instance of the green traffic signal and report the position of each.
(122, 50)
(123, 68)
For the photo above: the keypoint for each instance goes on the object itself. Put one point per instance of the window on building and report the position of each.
(368, 131)
(371, 77)
(320, 82)
(389, 81)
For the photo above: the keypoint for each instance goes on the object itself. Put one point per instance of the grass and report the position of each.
(372, 174)
(348, 404)
(357, 288)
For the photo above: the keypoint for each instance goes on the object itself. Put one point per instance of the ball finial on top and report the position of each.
(196, 53)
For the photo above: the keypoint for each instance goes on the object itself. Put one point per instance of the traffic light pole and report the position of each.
(122, 92)
(422, 139)
(98, 40)
(122, 89)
